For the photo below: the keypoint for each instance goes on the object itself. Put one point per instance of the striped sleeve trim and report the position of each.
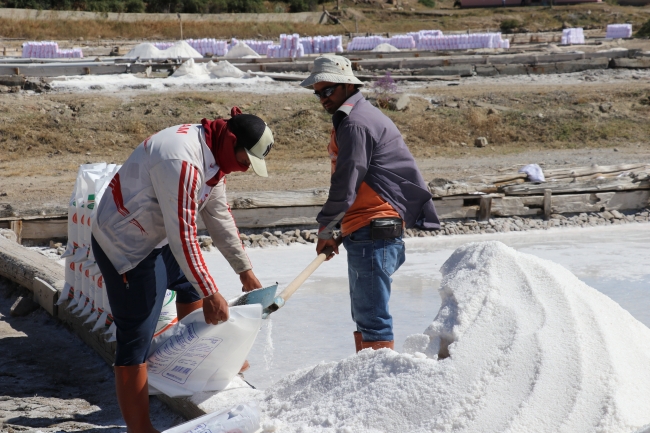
(187, 225)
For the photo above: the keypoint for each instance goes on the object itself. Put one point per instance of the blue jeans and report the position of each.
(370, 266)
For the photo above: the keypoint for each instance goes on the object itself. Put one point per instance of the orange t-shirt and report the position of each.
(367, 206)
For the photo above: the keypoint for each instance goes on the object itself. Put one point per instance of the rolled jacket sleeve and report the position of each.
(221, 225)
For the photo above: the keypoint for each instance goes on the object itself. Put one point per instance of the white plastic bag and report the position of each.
(193, 356)
(243, 418)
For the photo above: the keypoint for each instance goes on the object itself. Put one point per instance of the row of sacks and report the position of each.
(49, 50)
(84, 285)
(290, 46)
(431, 40)
(294, 46)
(573, 36)
(615, 31)
(468, 41)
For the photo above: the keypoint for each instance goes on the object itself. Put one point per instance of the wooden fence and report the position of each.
(623, 187)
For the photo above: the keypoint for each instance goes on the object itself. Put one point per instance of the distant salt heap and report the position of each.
(241, 51)
(149, 51)
(221, 69)
(385, 48)
(533, 349)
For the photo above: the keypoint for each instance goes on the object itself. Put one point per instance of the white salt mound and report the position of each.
(532, 349)
(241, 50)
(221, 69)
(385, 48)
(148, 51)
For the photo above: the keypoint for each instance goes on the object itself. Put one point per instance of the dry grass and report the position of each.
(372, 19)
(110, 127)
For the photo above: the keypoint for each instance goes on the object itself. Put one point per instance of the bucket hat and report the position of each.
(333, 69)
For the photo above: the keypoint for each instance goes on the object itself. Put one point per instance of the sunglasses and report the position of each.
(326, 92)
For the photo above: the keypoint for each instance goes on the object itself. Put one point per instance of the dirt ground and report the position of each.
(44, 137)
(53, 382)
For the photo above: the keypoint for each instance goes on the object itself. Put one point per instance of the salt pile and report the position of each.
(385, 48)
(148, 51)
(221, 69)
(533, 349)
(241, 50)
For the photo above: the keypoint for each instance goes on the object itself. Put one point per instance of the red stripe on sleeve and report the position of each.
(187, 227)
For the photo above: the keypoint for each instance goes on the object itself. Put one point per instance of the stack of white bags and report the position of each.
(431, 40)
(290, 46)
(260, 47)
(203, 46)
(573, 36)
(615, 31)
(49, 50)
(462, 41)
(417, 35)
(162, 45)
(84, 286)
(367, 43)
(322, 44)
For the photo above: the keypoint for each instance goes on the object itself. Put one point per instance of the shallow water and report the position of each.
(315, 324)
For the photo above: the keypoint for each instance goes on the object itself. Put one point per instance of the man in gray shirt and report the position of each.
(376, 191)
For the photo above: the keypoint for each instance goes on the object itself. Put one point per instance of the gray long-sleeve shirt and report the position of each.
(371, 149)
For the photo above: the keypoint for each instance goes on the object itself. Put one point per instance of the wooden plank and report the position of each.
(571, 172)
(616, 184)
(451, 189)
(46, 296)
(519, 206)
(546, 205)
(454, 209)
(17, 227)
(642, 63)
(45, 229)
(485, 208)
(62, 69)
(303, 197)
(274, 217)
(629, 200)
(575, 203)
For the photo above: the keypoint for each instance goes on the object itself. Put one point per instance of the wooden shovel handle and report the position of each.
(297, 282)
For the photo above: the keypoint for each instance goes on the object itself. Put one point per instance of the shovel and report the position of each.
(281, 299)
(266, 296)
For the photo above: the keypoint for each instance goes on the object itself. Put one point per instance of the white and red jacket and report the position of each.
(157, 194)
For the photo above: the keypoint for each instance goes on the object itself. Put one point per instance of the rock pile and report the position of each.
(274, 238)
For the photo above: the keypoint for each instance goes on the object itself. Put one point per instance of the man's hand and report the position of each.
(215, 309)
(249, 281)
(324, 243)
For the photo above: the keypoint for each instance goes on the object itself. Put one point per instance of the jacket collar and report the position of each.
(349, 103)
(345, 109)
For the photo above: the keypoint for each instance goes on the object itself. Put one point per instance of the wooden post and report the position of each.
(181, 23)
(338, 5)
(356, 25)
(485, 208)
(546, 204)
(17, 227)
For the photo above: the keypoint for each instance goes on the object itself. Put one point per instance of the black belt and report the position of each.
(386, 228)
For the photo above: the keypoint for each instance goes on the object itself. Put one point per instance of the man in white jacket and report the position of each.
(150, 209)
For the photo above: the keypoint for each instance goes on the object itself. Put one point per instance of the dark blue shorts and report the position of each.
(136, 299)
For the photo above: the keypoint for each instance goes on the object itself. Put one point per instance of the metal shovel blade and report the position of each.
(263, 296)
